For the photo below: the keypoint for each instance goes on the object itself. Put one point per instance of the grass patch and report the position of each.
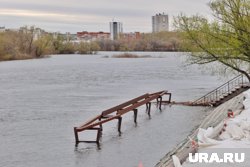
(130, 55)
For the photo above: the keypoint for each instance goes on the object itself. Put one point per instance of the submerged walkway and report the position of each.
(117, 112)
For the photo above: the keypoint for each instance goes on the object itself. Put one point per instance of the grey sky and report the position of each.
(93, 15)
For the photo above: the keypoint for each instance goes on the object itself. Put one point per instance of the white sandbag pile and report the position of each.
(231, 133)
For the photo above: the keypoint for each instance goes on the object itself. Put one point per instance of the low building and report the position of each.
(92, 36)
(36, 32)
(131, 36)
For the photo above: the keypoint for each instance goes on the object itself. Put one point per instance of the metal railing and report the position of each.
(223, 90)
(118, 111)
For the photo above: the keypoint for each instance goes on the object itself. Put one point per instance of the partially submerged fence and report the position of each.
(117, 112)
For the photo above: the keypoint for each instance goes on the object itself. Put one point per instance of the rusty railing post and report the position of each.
(99, 133)
(119, 124)
(135, 115)
(160, 102)
(170, 96)
(149, 109)
(146, 107)
(76, 136)
(101, 128)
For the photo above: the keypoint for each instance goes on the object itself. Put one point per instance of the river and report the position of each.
(41, 100)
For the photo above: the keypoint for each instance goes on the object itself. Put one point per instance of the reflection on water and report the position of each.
(42, 100)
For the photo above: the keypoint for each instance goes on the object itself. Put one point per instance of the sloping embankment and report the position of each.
(214, 118)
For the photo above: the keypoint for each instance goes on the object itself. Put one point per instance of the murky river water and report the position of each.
(42, 100)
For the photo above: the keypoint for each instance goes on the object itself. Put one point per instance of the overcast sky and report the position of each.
(93, 15)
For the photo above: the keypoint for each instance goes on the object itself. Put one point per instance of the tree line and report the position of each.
(28, 43)
(31, 42)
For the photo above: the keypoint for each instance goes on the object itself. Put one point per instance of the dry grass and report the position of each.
(130, 55)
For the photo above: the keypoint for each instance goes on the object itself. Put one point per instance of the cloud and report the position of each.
(135, 14)
(81, 9)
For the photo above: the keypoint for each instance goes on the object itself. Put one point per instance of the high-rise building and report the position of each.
(115, 30)
(160, 22)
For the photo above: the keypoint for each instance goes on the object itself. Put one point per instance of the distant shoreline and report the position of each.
(122, 54)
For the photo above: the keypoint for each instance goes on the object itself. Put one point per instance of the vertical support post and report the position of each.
(119, 124)
(76, 136)
(101, 128)
(135, 115)
(100, 124)
(149, 108)
(99, 133)
(157, 102)
(160, 102)
(170, 96)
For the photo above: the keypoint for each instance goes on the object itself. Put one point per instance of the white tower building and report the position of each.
(115, 30)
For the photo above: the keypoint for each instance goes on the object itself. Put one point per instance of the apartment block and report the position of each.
(160, 22)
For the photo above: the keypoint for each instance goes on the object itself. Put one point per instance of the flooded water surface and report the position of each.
(42, 100)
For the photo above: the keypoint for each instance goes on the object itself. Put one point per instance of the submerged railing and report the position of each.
(117, 112)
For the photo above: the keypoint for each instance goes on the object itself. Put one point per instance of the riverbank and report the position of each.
(213, 119)
(26, 57)
(116, 54)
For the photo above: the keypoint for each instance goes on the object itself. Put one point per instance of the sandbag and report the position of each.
(176, 161)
